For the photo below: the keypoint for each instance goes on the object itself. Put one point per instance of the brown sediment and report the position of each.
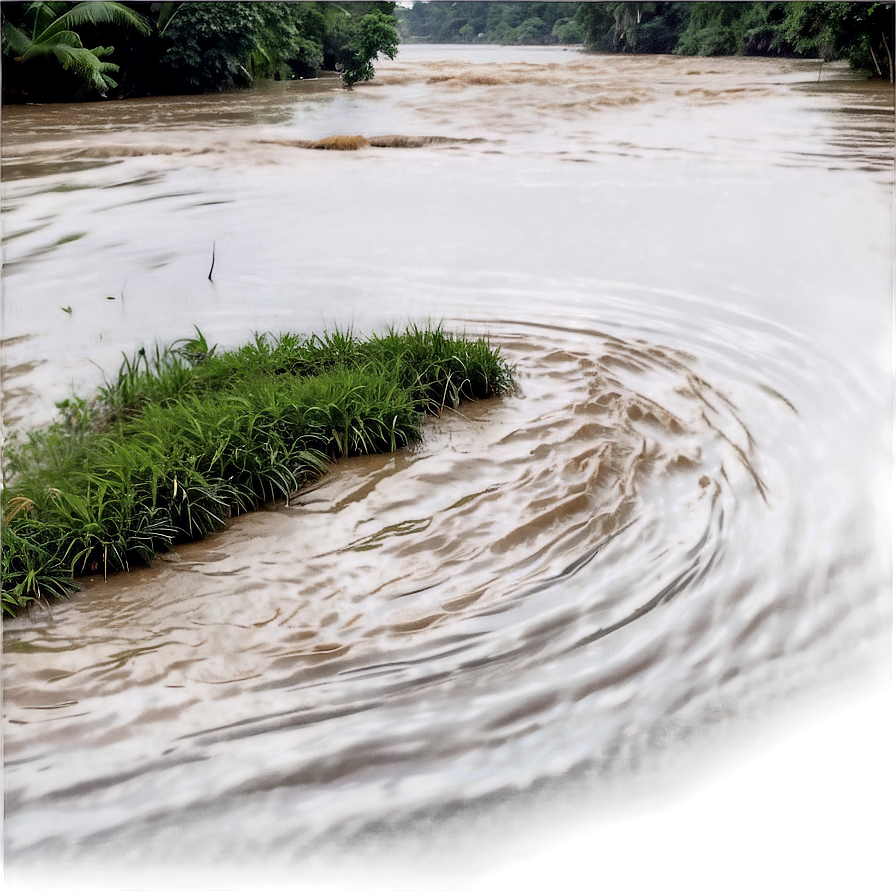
(514, 503)
(465, 78)
(402, 141)
(597, 481)
(493, 99)
(347, 586)
(382, 141)
(341, 142)
(115, 151)
(337, 142)
(298, 144)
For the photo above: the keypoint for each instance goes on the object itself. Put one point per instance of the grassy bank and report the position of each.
(188, 436)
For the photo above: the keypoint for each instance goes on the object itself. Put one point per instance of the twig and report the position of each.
(213, 257)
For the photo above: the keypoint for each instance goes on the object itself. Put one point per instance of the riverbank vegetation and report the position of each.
(490, 23)
(860, 33)
(185, 437)
(78, 51)
(57, 51)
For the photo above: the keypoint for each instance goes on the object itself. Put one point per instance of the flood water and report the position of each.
(678, 521)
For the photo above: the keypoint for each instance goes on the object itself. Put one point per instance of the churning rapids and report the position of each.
(679, 517)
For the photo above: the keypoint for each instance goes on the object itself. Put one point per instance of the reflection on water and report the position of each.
(675, 519)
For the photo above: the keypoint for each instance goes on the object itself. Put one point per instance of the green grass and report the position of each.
(187, 436)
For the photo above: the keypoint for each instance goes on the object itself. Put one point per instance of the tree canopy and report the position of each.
(491, 23)
(151, 48)
(860, 33)
(44, 33)
(87, 50)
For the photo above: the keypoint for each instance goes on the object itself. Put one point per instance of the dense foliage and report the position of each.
(373, 34)
(860, 33)
(186, 437)
(39, 38)
(63, 51)
(491, 23)
(151, 48)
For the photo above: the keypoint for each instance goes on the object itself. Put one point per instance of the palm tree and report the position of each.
(52, 35)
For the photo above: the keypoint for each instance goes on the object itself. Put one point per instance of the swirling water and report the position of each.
(680, 516)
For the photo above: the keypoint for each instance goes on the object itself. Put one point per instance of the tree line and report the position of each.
(490, 23)
(78, 51)
(74, 51)
(860, 33)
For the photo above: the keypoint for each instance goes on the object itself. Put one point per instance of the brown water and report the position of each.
(679, 517)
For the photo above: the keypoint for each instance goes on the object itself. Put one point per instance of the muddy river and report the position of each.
(677, 523)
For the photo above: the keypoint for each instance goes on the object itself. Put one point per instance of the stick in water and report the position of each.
(213, 262)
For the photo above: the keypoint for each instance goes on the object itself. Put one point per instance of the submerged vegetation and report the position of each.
(187, 436)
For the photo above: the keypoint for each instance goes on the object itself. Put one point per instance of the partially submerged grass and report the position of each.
(341, 142)
(187, 436)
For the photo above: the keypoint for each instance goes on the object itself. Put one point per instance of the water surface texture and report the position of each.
(679, 516)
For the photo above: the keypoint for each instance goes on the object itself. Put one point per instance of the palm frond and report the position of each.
(167, 13)
(15, 41)
(68, 39)
(54, 35)
(85, 63)
(97, 13)
(42, 14)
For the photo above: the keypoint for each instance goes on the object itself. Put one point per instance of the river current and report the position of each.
(679, 520)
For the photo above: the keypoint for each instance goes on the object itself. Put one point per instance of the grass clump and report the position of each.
(187, 436)
(341, 142)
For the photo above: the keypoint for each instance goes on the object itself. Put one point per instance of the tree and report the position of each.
(502, 23)
(176, 47)
(202, 47)
(861, 33)
(715, 29)
(765, 34)
(208, 46)
(370, 35)
(46, 31)
(287, 43)
(567, 31)
(633, 27)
